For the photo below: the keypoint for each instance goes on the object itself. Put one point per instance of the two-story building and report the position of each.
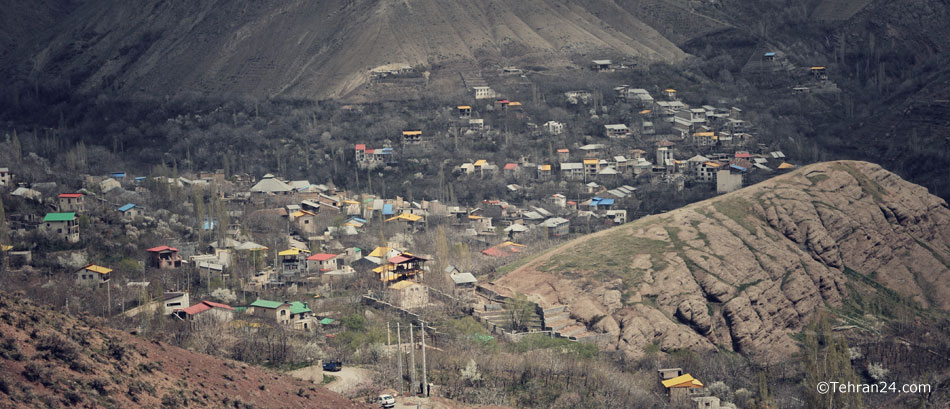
(164, 258)
(71, 202)
(93, 275)
(62, 225)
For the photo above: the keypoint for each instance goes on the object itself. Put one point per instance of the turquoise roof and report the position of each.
(298, 307)
(266, 303)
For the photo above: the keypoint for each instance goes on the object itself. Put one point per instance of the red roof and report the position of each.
(562, 150)
(571, 202)
(321, 256)
(511, 166)
(743, 155)
(370, 150)
(205, 306)
(502, 101)
(160, 249)
(494, 252)
(361, 147)
(70, 195)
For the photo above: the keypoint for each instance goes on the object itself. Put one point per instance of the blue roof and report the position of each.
(385, 151)
(605, 202)
(139, 178)
(208, 225)
(387, 209)
(357, 219)
(737, 167)
(118, 175)
(770, 54)
(126, 207)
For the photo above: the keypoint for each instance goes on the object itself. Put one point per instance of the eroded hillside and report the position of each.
(745, 271)
(49, 359)
(321, 48)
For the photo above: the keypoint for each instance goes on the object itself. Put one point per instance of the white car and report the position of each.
(386, 401)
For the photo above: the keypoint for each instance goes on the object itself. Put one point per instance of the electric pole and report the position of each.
(412, 360)
(399, 355)
(425, 378)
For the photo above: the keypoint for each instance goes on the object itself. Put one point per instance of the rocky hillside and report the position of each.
(744, 271)
(49, 359)
(316, 48)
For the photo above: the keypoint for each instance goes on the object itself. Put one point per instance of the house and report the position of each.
(306, 221)
(563, 154)
(557, 226)
(616, 131)
(599, 203)
(62, 225)
(591, 167)
(682, 388)
(602, 65)
(164, 258)
(483, 92)
(6, 178)
(820, 73)
(206, 312)
(400, 267)
(129, 211)
(664, 157)
(476, 124)
(553, 127)
(92, 274)
(270, 185)
(464, 284)
(572, 170)
(511, 169)
(172, 301)
(670, 93)
(465, 111)
(412, 136)
(27, 193)
(293, 262)
(71, 202)
(707, 171)
(271, 310)
(729, 179)
(409, 294)
(544, 171)
(704, 138)
(647, 128)
(324, 262)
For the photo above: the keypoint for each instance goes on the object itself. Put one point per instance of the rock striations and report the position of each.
(746, 270)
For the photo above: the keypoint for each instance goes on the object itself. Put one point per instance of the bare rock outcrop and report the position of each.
(746, 270)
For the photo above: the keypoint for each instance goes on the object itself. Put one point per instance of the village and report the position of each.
(213, 248)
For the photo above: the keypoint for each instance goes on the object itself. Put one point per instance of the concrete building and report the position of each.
(728, 180)
(172, 301)
(164, 258)
(483, 92)
(409, 294)
(62, 225)
(71, 202)
(93, 275)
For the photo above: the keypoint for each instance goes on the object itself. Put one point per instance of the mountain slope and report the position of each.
(49, 359)
(321, 48)
(746, 270)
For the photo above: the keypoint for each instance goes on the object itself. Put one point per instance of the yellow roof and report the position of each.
(786, 165)
(481, 162)
(6, 247)
(712, 164)
(510, 243)
(514, 103)
(301, 213)
(378, 269)
(475, 217)
(464, 107)
(669, 90)
(590, 161)
(351, 202)
(409, 217)
(292, 252)
(380, 252)
(683, 381)
(645, 111)
(412, 132)
(97, 269)
(400, 285)
(545, 167)
(704, 134)
(817, 68)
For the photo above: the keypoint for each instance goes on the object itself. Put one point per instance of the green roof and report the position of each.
(266, 303)
(240, 309)
(298, 307)
(59, 217)
(326, 321)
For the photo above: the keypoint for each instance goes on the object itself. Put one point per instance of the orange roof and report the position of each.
(712, 164)
(410, 133)
(563, 150)
(481, 162)
(591, 161)
(545, 167)
(817, 68)
(514, 104)
(645, 111)
(669, 90)
(786, 165)
(464, 107)
(704, 134)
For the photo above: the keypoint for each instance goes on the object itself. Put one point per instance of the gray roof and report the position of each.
(554, 222)
(270, 185)
(464, 278)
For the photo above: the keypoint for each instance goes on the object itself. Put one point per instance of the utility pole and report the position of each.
(399, 355)
(425, 378)
(412, 361)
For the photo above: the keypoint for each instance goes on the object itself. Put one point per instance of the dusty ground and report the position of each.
(349, 379)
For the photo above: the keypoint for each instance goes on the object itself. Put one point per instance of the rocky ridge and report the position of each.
(746, 270)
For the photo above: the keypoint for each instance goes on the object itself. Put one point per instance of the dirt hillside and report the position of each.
(305, 48)
(744, 271)
(49, 359)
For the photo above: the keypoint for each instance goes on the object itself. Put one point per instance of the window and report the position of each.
(283, 313)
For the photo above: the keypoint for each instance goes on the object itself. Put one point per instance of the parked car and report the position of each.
(332, 366)
(386, 401)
